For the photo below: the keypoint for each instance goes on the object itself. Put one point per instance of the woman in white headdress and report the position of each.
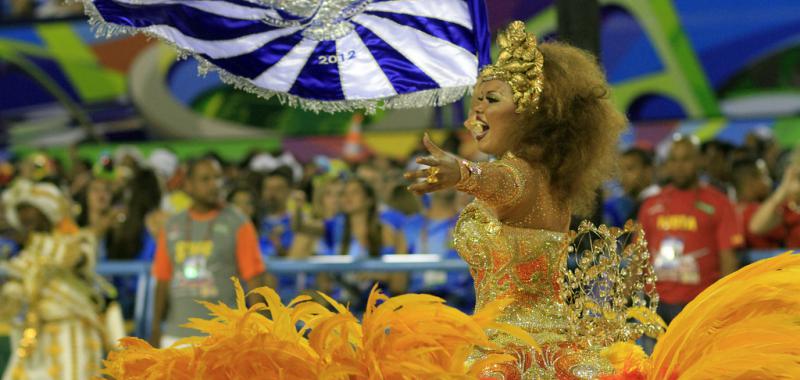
(50, 299)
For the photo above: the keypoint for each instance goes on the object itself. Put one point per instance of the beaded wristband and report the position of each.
(469, 173)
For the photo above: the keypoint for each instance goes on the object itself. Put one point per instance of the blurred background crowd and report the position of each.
(361, 208)
(326, 206)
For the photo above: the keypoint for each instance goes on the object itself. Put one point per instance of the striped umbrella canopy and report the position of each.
(321, 55)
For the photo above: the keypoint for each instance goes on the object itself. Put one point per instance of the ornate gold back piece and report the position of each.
(610, 293)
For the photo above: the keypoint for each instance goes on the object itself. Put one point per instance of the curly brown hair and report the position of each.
(575, 130)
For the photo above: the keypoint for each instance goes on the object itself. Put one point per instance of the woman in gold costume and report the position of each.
(544, 111)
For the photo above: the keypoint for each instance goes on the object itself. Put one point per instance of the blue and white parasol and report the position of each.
(323, 55)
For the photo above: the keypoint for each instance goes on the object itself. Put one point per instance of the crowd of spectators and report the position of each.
(704, 206)
(324, 207)
(700, 205)
(758, 179)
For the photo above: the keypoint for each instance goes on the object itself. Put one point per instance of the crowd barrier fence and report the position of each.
(142, 315)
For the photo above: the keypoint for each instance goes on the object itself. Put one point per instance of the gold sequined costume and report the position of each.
(49, 296)
(514, 238)
(59, 335)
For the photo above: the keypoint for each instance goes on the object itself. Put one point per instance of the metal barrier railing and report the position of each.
(390, 263)
(387, 263)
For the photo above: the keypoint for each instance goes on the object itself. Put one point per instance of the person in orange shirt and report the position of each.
(197, 253)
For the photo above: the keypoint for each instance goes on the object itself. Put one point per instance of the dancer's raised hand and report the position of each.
(443, 170)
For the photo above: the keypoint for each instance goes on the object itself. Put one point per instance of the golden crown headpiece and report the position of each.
(520, 64)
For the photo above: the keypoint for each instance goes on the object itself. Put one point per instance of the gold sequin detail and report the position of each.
(500, 174)
(517, 193)
(520, 64)
(611, 295)
(525, 265)
(550, 302)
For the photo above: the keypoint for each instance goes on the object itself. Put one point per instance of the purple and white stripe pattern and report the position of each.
(322, 55)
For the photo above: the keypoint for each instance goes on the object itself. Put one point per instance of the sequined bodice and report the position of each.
(508, 237)
(521, 263)
(526, 265)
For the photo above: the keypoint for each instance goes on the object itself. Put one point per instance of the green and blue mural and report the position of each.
(717, 68)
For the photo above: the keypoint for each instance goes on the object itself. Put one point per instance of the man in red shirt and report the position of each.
(691, 229)
(781, 209)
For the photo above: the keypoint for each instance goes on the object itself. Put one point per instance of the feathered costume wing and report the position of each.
(411, 336)
(745, 326)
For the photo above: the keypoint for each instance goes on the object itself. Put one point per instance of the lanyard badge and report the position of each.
(674, 265)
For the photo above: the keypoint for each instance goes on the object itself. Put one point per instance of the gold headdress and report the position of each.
(520, 64)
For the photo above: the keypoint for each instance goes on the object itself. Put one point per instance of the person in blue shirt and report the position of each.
(403, 212)
(275, 225)
(433, 235)
(317, 229)
(318, 226)
(365, 236)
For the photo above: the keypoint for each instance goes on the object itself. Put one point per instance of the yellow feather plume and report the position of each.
(412, 336)
(745, 326)
(626, 357)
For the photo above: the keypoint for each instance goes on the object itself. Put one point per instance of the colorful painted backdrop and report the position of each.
(718, 68)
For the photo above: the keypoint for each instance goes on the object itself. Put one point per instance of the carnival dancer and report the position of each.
(51, 299)
(543, 110)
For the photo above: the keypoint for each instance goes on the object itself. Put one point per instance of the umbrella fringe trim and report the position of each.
(425, 98)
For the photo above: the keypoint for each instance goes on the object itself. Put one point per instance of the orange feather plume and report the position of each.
(412, 336)
(745, 326)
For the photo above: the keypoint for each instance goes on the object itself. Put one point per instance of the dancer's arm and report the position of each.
(498, 183)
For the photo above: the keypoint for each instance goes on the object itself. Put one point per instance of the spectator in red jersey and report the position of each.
(753, 185)
(692, 231)
(781, 208)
